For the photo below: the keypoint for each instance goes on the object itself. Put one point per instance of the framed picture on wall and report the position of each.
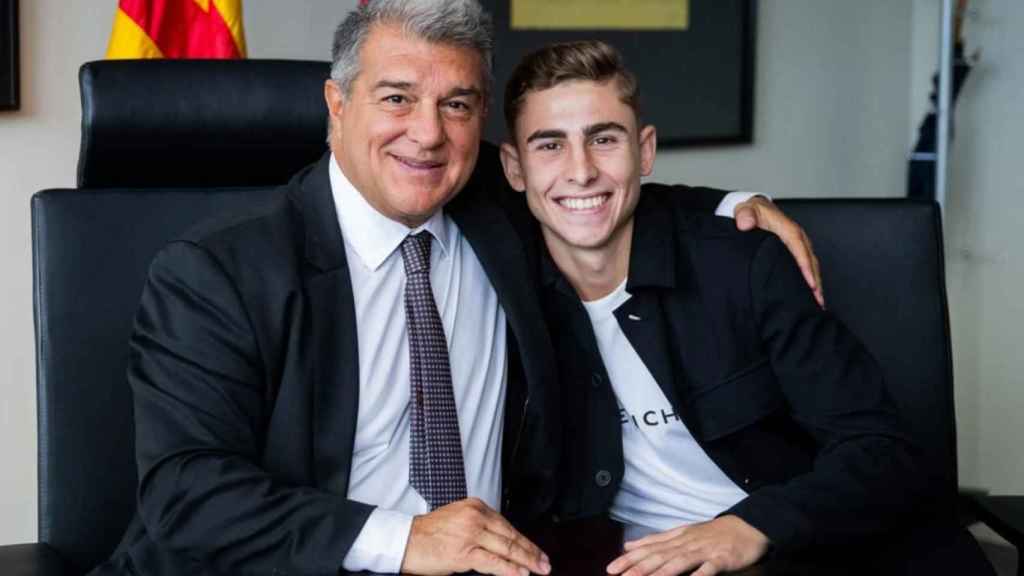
(9, 55)
(694, 59)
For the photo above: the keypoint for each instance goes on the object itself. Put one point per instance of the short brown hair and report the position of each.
(554, 64)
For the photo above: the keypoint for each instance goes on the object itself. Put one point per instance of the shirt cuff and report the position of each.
(727, 206)
(380, 546)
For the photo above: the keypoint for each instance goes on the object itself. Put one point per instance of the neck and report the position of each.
(593, 272)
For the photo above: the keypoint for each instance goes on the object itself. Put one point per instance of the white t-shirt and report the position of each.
(669, 480)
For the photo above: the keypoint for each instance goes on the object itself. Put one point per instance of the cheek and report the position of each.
(541, 177)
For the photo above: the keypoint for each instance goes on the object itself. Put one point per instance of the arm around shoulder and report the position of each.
(862, 481)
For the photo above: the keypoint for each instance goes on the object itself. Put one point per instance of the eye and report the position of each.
(605, 140)
(394, 99)
(460, 109)
(549, 146)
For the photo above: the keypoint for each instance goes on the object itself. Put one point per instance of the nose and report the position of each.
(582, 170)
(426, 127)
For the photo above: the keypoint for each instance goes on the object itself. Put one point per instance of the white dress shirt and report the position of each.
(668, 479)
(474, 324)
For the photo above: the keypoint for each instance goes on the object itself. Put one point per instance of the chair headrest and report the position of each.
(197, 123)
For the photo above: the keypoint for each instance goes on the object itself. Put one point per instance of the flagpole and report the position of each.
(944, 111)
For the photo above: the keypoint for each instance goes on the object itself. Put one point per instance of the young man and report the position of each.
(712, 407)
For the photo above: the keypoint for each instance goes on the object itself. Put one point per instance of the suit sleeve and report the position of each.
(201, 403)
(863, 476)
(698, 199)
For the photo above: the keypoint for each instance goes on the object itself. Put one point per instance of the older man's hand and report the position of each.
(469, 535)
(723, 544)
(761, 213)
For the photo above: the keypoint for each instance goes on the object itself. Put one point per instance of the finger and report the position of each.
(745, 216)
(654, 538)
(485, 562)
(706, 569)
(802, 254)
(495, 522)
(819, 290)
(677, 565)
(625, 563)
(649, 564)
(512, 550)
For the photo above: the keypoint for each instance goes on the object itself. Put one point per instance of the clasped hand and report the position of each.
(469, 535)
(723, 544)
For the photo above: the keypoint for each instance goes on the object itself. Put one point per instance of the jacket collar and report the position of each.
(312, 196)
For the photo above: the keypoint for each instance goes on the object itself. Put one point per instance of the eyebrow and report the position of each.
(542, 134)
(587, 131)
(456, 92)
(604, 127)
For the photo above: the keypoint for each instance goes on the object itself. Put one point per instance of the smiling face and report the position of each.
(579, 156)
(408, 134)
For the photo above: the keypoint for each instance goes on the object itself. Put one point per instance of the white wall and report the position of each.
(830, 105)
(836, 83)
(984, 261)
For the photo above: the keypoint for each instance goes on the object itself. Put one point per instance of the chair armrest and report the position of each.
(1003, 514)
(31, 560)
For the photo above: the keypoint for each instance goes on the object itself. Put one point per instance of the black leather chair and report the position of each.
(165, 144)
(884, 276)
(200, 123)
(91, 251)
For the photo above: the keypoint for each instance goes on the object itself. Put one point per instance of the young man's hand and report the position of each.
(759, 212)
(469, 535)
(721, 545)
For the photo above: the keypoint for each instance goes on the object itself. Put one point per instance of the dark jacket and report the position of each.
(244, 372)
(776, 391)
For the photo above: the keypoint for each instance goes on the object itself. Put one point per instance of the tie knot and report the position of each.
(416, 253)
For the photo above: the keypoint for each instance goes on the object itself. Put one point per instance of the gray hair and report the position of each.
(458, 22)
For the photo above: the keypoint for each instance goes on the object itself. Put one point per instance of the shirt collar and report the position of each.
(372, 235)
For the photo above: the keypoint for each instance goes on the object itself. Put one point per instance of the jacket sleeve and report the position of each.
(699, 199)
(863, 476)
(201, 403)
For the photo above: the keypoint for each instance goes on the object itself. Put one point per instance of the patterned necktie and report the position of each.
(435, 450)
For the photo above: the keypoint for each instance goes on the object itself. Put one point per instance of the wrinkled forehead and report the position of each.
(390, 49)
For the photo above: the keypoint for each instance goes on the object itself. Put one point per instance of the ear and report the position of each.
(648, 149)
(513, 168)
(335, 100)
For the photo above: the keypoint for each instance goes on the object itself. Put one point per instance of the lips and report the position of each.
(583, 204)
(417, 164)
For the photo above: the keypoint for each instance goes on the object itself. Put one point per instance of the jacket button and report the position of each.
(603, 478)
(596, 380)
(746, 481)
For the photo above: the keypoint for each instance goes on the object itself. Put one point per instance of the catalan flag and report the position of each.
(177, 29)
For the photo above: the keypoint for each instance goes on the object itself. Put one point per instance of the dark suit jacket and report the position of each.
(782, 398)
(244, 372)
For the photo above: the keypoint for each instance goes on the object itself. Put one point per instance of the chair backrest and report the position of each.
(91, 250)
(200, 123)
(884, 277)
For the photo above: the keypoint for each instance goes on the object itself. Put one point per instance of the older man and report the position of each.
(357, 376)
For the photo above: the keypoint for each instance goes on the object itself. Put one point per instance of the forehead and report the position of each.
(574, 104)
(392, 54)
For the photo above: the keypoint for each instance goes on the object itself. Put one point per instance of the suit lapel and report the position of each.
(497, 245)
(331, 321)
(667, 300)
(643, 322)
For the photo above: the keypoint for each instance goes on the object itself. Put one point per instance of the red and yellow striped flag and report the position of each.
(177, 29)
